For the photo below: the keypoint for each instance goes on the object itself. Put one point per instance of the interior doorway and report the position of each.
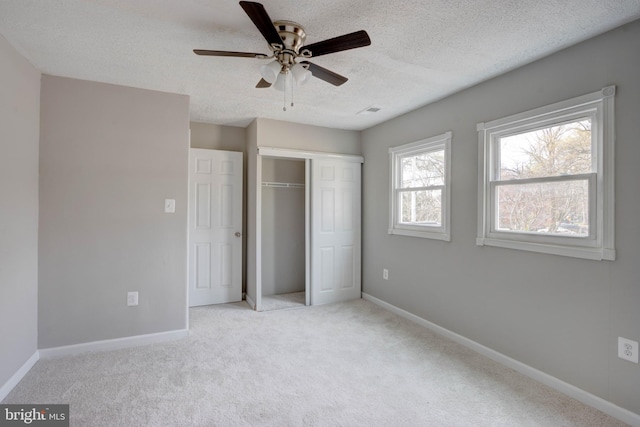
(283, 233)
(215, 227)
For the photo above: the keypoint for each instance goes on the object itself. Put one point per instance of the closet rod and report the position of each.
(282, 184)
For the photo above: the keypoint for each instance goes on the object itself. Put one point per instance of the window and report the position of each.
(546, 179)
(420, 192)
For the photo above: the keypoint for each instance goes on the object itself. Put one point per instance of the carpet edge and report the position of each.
(18, 375)
(113, 344)
(579, 394)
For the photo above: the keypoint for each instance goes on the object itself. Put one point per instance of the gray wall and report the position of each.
(275, 133)
(109, 156)
(557, 314)
(253, 240)
(19, 137)
(217, 137)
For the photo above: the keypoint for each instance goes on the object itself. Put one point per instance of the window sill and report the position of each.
(422, 234)
(598, 254)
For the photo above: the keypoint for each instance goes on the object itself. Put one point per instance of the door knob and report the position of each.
(238, 234)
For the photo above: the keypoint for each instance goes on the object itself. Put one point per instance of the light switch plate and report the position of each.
(132, 298)
(170, 205)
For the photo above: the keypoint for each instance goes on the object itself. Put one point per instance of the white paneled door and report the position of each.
(335, 231)
(215, 226)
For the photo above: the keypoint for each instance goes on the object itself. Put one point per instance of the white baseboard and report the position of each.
(544, 378)
(113, 344)
(251, 302)
(17, 377)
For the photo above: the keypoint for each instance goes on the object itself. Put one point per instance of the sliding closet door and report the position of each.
(335, 231)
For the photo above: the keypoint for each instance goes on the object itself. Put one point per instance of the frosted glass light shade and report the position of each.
(282, 81)
(270, 71)
(300, 74)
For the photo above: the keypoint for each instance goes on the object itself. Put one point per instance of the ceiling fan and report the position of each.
(286, 42)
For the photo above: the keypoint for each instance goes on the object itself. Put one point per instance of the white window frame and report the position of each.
(599, 244)
(435, 143)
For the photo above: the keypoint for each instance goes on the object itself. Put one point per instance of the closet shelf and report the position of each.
(282, 184)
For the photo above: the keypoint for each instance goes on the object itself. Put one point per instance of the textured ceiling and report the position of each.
(421, 50)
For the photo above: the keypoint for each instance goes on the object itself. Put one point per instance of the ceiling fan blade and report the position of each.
(261, 20)
(262, 84)
(340, 43)
(324, 74)
(229, 53)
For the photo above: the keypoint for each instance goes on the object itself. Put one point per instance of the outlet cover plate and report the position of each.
(628, 349)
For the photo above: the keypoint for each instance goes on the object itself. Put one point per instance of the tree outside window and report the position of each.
(419, 201)
(560, 206)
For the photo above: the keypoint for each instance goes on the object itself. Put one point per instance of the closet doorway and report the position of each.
(283, 233)
(308, 221)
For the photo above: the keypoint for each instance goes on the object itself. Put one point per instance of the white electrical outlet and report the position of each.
(628, 350)
(132, 298)
(385, 274)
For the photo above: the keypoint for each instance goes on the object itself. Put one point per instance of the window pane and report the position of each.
(560, 208)
(421, 207)
(422, 170)
(553, 151)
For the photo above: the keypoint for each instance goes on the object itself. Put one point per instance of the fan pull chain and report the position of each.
(284, 96)
(292, 85)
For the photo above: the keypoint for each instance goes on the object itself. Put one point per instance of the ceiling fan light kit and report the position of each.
(300, 74)
(286, 41)
(281, 84)
(270, 71)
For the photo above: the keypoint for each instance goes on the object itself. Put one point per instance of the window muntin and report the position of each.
(419, 201)
(546, 179)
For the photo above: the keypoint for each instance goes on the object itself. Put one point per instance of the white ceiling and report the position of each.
(421, 50)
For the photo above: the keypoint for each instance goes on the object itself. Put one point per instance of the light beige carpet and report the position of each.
(283, 301)
(348, 364)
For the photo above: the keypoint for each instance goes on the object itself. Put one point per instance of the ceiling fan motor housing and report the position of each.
(293, 37)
